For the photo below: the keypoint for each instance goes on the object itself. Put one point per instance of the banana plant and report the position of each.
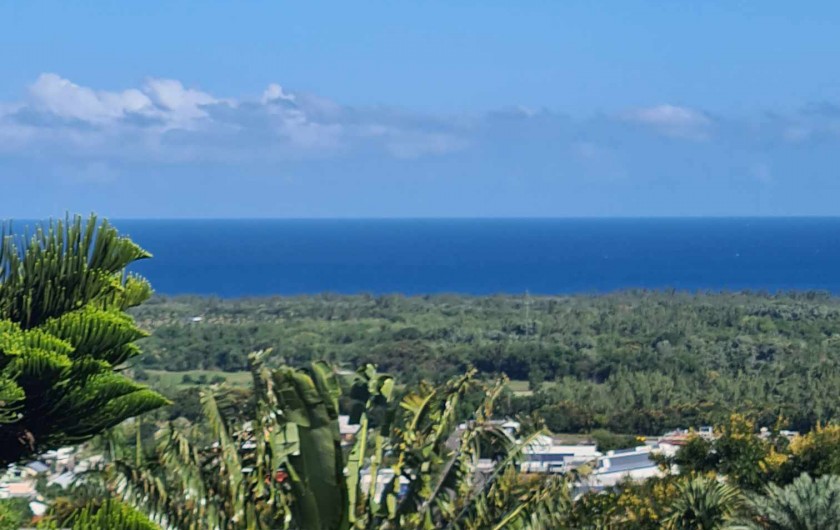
(413, 464)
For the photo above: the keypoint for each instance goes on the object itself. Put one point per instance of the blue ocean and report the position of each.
(234, 258)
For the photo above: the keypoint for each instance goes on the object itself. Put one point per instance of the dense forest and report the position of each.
(632, 362)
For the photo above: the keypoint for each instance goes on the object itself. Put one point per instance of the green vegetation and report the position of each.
(752, 462)
(190, 378)
(277, 460)
(520, 388)
(703, 503)
(739, 478)
(63, 331)
(805, 504)
(608, 441)
(634, 362)
(14, 513)
(110, 515)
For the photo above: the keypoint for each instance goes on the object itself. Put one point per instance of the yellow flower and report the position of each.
(821, 435)
(773, 460)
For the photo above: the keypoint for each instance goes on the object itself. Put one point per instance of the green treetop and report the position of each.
(64, 333)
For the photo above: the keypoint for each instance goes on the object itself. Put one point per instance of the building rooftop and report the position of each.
(38, 467)
(19, 489)
(626, 462)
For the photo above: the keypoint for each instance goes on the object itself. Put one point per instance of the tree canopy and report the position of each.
(634, 362)
(65, 334)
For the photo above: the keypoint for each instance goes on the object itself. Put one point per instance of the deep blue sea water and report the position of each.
(546, 256)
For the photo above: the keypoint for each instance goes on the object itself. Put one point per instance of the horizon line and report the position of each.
(485, 218)
(442, 218)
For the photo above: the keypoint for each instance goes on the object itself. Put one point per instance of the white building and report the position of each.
(61, 457)
(544, 455)
(627, 464)
(21, 489)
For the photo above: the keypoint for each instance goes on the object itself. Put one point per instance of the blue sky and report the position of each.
(420, 109)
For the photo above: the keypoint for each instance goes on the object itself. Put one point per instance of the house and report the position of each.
(677, 437)
(790, 435)
(545, 455)
(635, 464)
(24, 489)
(63, 480)
(60, 459)
(89, 463)
(509, 426)
(35, 468)
(707, 432)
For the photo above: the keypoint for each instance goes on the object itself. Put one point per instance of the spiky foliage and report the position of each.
(805, 504)
(63, 332)
(109, 515)
(410, 468)
(703, 503)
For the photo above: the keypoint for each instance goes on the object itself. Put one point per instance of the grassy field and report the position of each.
(188, 378)
(520, 388)
(163, 378)
(572, 438)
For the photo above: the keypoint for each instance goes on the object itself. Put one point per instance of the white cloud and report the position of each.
(669, 115)
(166, 103)
(164, 120)
(672, 120)
(58, 96)
(178, 105)
(275, 92)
